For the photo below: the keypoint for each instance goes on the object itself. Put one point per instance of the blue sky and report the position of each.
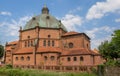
(97, 18)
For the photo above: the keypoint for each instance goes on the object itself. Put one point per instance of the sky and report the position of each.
(97, 18)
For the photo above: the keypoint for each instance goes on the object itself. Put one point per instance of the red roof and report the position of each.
(8, 48)
(70, 33)
(78, 51)
(31, 49)
(12, 43)
(25, 50)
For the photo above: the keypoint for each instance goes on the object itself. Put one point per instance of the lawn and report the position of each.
(28, 72)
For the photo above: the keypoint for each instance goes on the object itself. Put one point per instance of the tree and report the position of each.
(111, 50)
(104, 50)
(1, 51)
(116, 42)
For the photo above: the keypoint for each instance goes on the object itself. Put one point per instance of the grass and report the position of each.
(28, 72)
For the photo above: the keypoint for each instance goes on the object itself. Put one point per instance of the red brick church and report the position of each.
(44, 41)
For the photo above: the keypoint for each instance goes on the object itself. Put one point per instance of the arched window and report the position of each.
(25, 44)
(70, 45)
(68, 59)
(44, 43)
(53, 43)
(81, 58)
(45, 57)
(75, 58)
(16, 58)
(48, 42)
(28, 58)
(52, 58)
(22, 58)
(28, 37)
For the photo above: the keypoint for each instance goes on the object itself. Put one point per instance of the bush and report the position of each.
(94, 70)
(8, 66)
(111, 62)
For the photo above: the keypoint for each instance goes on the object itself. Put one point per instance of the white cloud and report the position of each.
(71, 21)
(117, 20)
(96, 42)
(75, 10)
(2, 24)
(5, 13)
(100, 34)
(100, 9)
(12, 27)
(92, 33)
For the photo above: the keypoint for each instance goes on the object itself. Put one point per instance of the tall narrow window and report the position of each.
(68, 59)
(48, 42)
(75, 58)
(81, 58)
(44, 43)
(25, 44)
(53, 43)
(28, 43)
(70, 45)
(31, 43)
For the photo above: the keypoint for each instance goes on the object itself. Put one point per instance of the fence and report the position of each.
(57, 68)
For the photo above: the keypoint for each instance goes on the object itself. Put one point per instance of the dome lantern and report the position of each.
(45, 10)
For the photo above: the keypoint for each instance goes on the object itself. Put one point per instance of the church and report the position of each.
(45, 43)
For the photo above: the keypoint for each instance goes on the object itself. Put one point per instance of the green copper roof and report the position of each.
(44, 20)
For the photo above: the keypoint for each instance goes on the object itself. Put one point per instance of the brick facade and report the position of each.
(51, 47)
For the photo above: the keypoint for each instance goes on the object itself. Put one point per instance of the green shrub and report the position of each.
(9, 66)
(111, 62)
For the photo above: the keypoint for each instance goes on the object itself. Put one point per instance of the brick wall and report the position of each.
(86, 60)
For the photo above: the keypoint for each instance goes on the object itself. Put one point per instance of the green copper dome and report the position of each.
(44, 20)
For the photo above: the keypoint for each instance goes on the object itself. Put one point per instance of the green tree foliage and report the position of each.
(111, 50)
(104, 49)
(116, 43)
(1, 51)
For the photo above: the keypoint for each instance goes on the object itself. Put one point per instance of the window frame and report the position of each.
(45, 58)
(81, 58)
(28, 58)
(74, 58)
(68, 59)
(71, 45)
(44, 43)
(53, 43)
(52, 58)
(48, 42)
(22, 58)
(16, 58)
